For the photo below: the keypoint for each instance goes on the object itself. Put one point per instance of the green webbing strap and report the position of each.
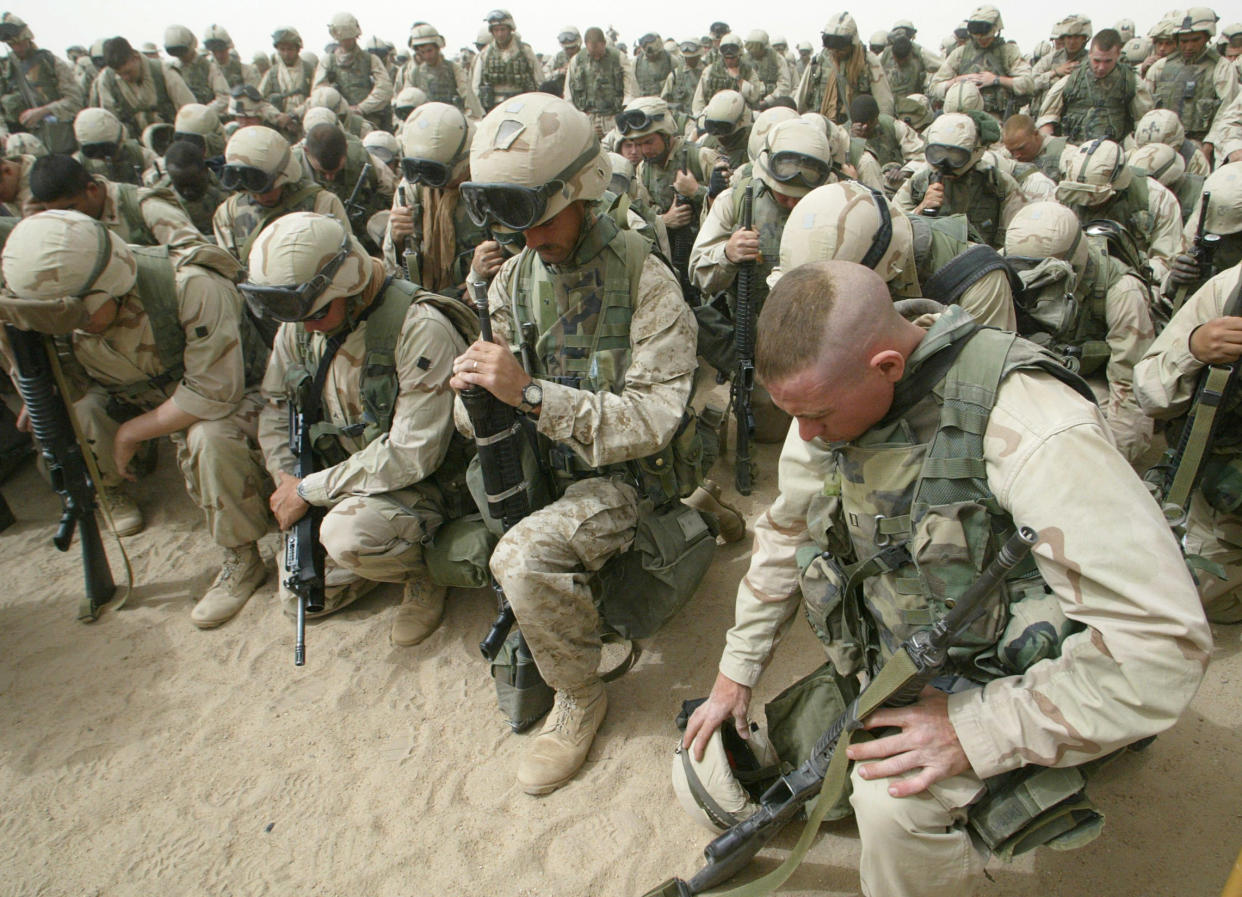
(1200, 431)
(899, 670)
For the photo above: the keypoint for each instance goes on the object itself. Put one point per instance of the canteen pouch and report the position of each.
(457, 555)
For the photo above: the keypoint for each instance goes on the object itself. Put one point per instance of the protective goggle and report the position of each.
(730, 50)
(978, 28)
(646, 39)
(837, 41)
(426, 171)
(567, 38)
(689, 48)
(294, 303)
(718, 128)
(944, 157)
(249, 91)
(515, 206)
(175, 49)
(98, 151)
(496, 17)
(213, 45)
(247, 178)
(636, 120)
(798, 169)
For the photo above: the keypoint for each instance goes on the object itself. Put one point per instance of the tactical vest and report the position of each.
(732, 146)
(767, 70)
(125, 166)
(137, 119)
(768, 217)
(280, 89)
(507, 77)
(680, 91)
(599, 86)
(905, 76)
(717, 78)
(1049, 159)
(1189, 89)
(197, 77)
(40, 71)
(906, 521)
(884, 143)
(975, 59)
(356, 156)
(439, 82)
(825, 66)
(583, 320)
(1188, 190)
(129, 210)
(658, 179)
(980, 194)
(351, 77)
(937, 241)
(233, 73)
(249, 218)
(651, 74)
(1128, 206)
(1098, 107)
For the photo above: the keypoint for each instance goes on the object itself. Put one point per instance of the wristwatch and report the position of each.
(532, 397)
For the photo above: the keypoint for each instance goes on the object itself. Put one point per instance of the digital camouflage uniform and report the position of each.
(1196, 91)
(1001, 57)
(988, 196)
(362, 80)
(1062, 669)
(51, 80)
(379, 487)
(542, 561)
(1165, 381)
(156, 98)
(1087, 107)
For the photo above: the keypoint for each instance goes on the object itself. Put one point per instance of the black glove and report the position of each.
(1184, 270)
(717, 182)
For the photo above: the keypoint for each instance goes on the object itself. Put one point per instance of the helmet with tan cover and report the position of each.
(179, 38)
(963, 96)
(300, 263)
(722, 789)
(1160, 126)
(851, 222)
(1159, 161)
(643, 116)
(435, 145)
(287, 35)
(95, 126)
(217, 38)
(423, 33)
(764, 122)
(796, 158)
(1224, 213)
(533, 156)
(13, 28)
(24, 144)
(1198, 18)
(1045, 230)
(343, 25)
(61, 267)
(260, 160)
(1074, 25)
(1091, 174)
(725, 113)
(953, 142)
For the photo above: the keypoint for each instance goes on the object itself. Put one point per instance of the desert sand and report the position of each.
(140, 756)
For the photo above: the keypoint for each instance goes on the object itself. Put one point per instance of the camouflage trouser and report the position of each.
(370, 539)
(602, 123)
(220, 460)
(544, 565)
(916, 846)
(1215, 536)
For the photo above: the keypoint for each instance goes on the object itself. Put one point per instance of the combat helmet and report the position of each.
(258, 159)
(953, 143)
(409, 99)
(13, 28)
(1091, 174)
(643, 116)
(796, 158)
(723, 788)
(851, 222)
(984, 20)
(964, 96)
(840, 32)
(725, 113)
(343, 25)
(1198, 18)
(217, 38)
(1159, 161)
(98, 131)
(178, 39)
(435, 145)
(533, 156)
(423, 33)
(763, 124)
(287, 35)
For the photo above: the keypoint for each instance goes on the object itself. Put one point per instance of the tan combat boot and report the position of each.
(422, 608)
(242, 572)
(706, 498)
(124, 513)
(560, 749)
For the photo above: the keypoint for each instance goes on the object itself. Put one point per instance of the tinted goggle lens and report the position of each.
(838, 42)
(98, 150)
(789, 167)
(718, 128)
(294, 303)
(636, 120)
(509, 205)
(246, 177)
(425, 171)
(978, 27)
(940, 156)
(619, 184)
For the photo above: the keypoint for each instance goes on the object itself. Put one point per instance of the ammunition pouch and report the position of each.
(521, 692)
(1033, 807)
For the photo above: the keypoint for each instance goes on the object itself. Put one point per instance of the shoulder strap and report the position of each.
(130, 206)
(282, 208)
(949, 283)
(157, 289)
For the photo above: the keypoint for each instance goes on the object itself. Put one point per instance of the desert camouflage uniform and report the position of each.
(291, 83)
(543, 561)
(1134, 625)
(1165, 381)
(380, 507)
(239, 216)
(1216, 85)
(1156, 226)
(201, 210)
(204, 79)
(219, 455)
(61, 92)
(142, 104)
(1001, 57)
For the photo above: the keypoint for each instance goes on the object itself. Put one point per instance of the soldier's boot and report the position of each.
(242, 572)
(123, 511)
(706, 498)
(422, 608)
(561, 747)
(1227, 609)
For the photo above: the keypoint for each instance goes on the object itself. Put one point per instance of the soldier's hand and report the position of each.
(743, 246)
(487, 259)
(32, 117)
(1219, 341)
(728, 700)
(1184, 269)
(685, 183)
(124, 447)
(678, 215)
(401, 221)
(927, 742)
(287, 506)
(857, 128)
(493, 367)
(1066, 67)
(894, 176)
(933, 198)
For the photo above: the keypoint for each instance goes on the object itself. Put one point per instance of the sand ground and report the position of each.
(139, 755)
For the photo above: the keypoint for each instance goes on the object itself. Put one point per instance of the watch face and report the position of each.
(532, 394)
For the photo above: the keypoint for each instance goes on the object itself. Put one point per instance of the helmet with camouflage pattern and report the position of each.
(988, 15)
(216, 38)
(377, 46)
(1160, 126)
(711, 790)
(851, 222)
(954, 131)
(840, 24)
(1091, 174)
(646, 115)
(13, 28)
(964, 96)
(343, 25)
(622, 181)
(764, 122)
(256, 146)
(483, 38)
(328, 97)
(725, 113)
(914, 109)
(423, 33)
(287, 35)
(838, 137)
(499, 17)
(1159, 161)
(409, 99)
(157, 137)
(796, 158)
(877, 42)
(1125, 27)
(441, 133)
(1073, 25)
(1166, 27)
(1198, 18)
(293, 251)
(905, 27)
(24, 144)
(180, 38)
(730, 45)
(779, 43)
(1043, 230)
(1224, 213)
(62, 267)
(1136, 49)
(95, 125)
(690, 49)
(538, 142)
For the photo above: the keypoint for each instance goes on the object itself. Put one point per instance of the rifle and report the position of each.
(66, 465)
(409, 259)
(354, 209)
(913, 666)
(1201, 250)
(680, 244)
(936, 177)
(304, 555)
(744, 343)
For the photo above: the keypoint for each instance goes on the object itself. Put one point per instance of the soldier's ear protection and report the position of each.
(884, 236)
